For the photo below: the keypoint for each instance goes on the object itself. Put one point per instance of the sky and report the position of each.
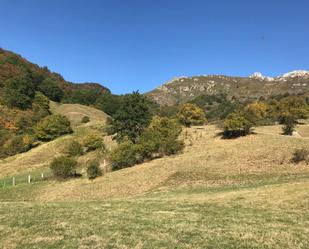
(129, 45)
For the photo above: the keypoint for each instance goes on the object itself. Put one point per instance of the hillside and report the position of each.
(256, 86)
(13, 65)
(239, 193)
(40, 157)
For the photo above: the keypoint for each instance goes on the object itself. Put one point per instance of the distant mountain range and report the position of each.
(182, 89)
(177, 90)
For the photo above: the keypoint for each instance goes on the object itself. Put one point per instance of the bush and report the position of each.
(51, 127)
(18, 144)
(126, 154)
(85, 119)
(93, 142)
(161, 138)
(289, 125)
(93, 170)
(74, 149)
(191, 114)
(63, 167)
(300, 155)
(236, 125)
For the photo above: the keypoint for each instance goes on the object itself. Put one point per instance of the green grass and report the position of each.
(182, 219)
(240, 193)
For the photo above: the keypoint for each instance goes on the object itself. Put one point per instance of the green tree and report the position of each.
(63, 167)
(161, 138)
(289, 124)
(52, 127)
(40, 106)
(19, 92)
(131, 119)
(126, 154)
(235, 125)
(190, 114)
(50, 88)
(85, 97)
(109, 103)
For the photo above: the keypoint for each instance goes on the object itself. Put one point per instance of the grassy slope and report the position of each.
(40, 157)
(241, 193)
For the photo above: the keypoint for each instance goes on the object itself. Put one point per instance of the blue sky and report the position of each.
(131, 45)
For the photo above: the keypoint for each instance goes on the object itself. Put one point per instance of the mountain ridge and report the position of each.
(182, 89)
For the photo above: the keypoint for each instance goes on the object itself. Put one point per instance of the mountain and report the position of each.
(13, 65)
(183, 89)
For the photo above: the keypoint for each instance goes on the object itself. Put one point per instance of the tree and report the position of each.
(52, 127)
(40, 106)
(50, 88)
(19, 92)
(190, 114)
(256, 112)
(63, 167)
(131, 119)
(85, 96)
(235, 125)
(126, 154)
(161, 138)
(109, 103)
(289, 124)
(291, 106)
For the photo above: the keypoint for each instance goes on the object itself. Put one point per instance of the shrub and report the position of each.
(191, 114)
(93, 169)
(18, 144)
(93, 142)
(161, 138)
(126, 154)
(236, 125)
(257, 112)
(289, 125)
(300, 155)
(52, 127)
(74, 148)
(63, 167)
(85, 119)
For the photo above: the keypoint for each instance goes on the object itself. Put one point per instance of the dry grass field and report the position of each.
(238, 193)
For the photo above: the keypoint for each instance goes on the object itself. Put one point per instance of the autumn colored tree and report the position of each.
(51, 127)
(256, 111)
(190, 114)
(235, 125)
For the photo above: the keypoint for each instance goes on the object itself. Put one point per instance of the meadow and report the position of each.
(236, 193)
